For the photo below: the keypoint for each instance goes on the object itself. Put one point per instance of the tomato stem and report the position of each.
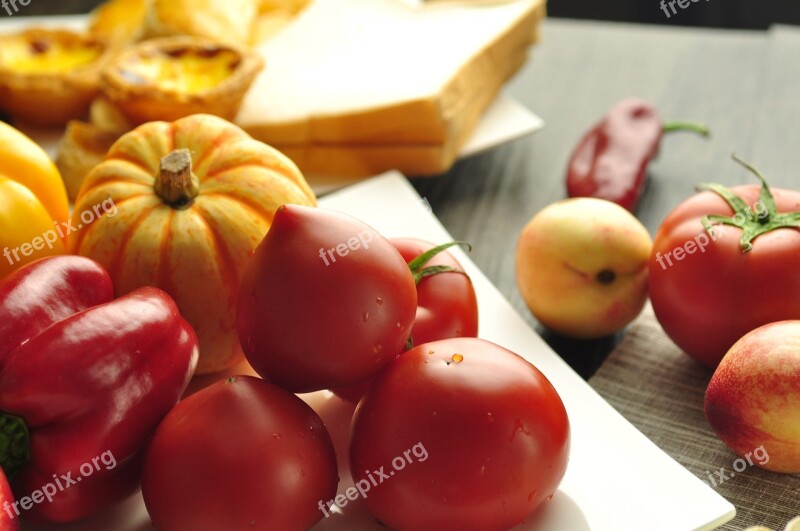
(417, 265)
(410, 342)
(15, 451)
(767, 216)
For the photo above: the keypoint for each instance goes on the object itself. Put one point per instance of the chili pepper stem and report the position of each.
(176, 184)
(694, 127)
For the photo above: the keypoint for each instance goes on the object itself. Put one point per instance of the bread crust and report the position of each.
(426, 120)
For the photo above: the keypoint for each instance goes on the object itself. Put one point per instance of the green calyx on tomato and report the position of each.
(419, 271)
(417, 265)
(15, 451)
(767, 220)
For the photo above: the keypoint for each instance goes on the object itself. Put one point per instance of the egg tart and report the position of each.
(174, 77)
(119, 21)
(49, 76)
(82, 147)
(105, 116)
(227, 21)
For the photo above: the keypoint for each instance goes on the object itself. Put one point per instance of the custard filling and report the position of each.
(50, 56)
(185, 71)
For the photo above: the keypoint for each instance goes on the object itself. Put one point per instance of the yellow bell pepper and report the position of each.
(33, 202)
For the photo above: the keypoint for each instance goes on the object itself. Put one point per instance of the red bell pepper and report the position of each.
(8, 520)
(84, 382)
(611, 160)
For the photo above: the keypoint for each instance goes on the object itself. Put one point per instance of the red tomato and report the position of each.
(706, 291)
(459, 434)
(241, 454)
(325, 302)
(9, 515)
(446, 304)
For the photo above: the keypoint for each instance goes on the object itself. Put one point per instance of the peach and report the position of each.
(582, 267)
(753, 399)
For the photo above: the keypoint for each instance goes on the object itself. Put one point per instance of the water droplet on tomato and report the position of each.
(377, 347)
(365, 316)
(399, 325)
(276, 436)
(489, 417)
(519, 427)
(378, 301)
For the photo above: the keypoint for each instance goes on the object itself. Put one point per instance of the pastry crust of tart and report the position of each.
(174, 77)
(50, 76)
(82, 147)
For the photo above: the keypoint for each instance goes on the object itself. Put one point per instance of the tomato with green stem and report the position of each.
(724, 263)
(447, 306)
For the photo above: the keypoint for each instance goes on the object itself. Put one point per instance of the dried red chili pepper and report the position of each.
(611, 160)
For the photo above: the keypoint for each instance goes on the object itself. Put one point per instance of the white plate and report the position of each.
(617, 479)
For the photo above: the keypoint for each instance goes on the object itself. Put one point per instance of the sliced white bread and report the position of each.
(372, 77)
(367, 159)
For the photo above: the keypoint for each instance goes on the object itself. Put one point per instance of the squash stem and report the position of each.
(176, 184)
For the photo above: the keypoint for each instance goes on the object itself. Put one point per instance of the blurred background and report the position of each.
(746, 14)
(749, 14)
